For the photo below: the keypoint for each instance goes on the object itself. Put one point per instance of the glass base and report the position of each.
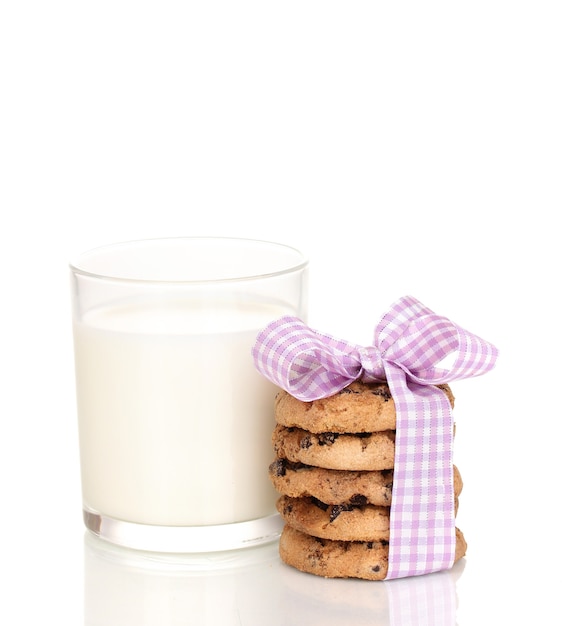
(184, 539)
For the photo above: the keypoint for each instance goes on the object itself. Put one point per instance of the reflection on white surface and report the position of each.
(249, 587)
(423, 600)
(124, 587)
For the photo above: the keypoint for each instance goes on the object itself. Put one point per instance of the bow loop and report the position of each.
(424, 343)
(307, 364)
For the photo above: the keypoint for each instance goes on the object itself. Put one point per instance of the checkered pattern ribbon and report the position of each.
(410, 344)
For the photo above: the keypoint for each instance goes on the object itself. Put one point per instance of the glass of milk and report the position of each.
(174, 420)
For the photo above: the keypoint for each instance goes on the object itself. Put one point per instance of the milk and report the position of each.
(162, 441)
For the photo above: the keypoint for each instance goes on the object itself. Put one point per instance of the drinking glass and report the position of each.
(174, 421)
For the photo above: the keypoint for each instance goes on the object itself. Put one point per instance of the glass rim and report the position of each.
(298, 265)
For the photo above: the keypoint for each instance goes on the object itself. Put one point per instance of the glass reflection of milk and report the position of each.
(162, 442)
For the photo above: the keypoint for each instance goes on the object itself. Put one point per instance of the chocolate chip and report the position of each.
(337, 509)
(305, 442)
(278, 467)
(365, 440)
(319, 504)
(382, 391)
(327, 439)
(358, 500)
(376, 568)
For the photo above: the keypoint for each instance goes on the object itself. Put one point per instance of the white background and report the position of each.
(406, 148)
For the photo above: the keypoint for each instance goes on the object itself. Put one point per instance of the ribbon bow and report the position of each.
(409, 347)
(311, 365)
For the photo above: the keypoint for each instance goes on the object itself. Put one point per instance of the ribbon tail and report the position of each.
(422, 513)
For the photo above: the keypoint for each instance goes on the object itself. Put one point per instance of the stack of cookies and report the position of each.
(334, 470)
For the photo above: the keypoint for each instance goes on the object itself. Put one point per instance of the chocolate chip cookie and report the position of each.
(348, 522)
(342, 559)
(298, 480)
(332, 450)
(358, 408)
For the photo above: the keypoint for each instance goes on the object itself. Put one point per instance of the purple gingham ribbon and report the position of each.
(410, 342)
